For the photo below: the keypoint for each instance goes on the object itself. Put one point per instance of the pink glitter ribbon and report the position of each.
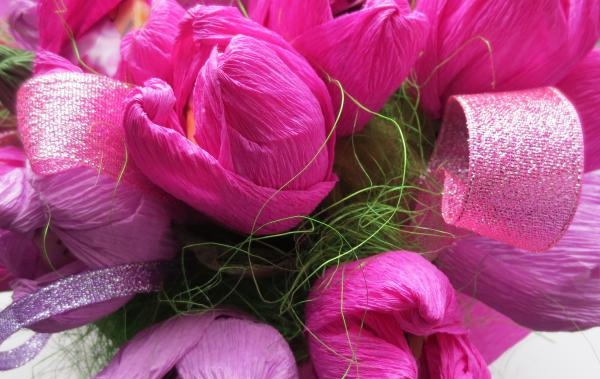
(511, 165)
(91, 107)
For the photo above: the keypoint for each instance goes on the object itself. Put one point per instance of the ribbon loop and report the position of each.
(70, 293)
(511, 165)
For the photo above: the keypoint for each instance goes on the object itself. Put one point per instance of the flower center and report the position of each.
(131, 15)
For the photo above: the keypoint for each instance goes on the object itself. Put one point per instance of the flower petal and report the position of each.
(193, 175)
(470, 50)
(556, 290)
(23, 21)
(236, 348)
(492, 332)
(146, 53)
(582, 87)
(267, 122)
(105, 223)
(216, 345)
(369, 51)
(204, 28)
(20, 207)
(47, 62)
(360, 312)
(60, 21)
(290, 18)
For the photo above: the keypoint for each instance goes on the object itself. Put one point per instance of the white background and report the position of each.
(538, 356)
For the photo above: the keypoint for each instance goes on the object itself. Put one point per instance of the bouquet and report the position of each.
(298, 189)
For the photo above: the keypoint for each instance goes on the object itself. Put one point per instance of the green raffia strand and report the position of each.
(369, 211)
(15, 68)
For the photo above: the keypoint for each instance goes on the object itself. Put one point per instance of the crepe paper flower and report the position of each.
(480, 46)
(370, 51)
(393, 315)
(35, 258)
(22, 18)
(491, 332)
(146, 52)
(556, 290)
(5, 279)
(64, 211)
(582, 87)
(340, 6)
(243, 135)
(96, 35)
(216, 345)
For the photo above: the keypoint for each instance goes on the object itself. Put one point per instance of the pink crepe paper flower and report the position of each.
(216, 345)
(370, 51)
(103, 36)
(393, 315)
(480, 46)
(556, 290)
(242, 133)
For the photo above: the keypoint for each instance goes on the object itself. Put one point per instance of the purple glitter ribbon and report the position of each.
(68, 294)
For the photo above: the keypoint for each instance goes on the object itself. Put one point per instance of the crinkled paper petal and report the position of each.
(146, 53)
(370, 52)
(290, 18)
(194, 176)
(359, 313)
(480, 46)
(582, 87)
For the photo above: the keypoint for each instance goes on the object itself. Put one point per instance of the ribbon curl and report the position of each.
(511, 165)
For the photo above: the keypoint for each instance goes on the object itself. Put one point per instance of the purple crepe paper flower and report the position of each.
(215, 345)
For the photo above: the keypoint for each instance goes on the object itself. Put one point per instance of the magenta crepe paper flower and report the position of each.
(368, 318)
(242, 133)
(479, 46)
(556, 290)
(550, 43)
(100, 35)
(370, 51)
(215, 345)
